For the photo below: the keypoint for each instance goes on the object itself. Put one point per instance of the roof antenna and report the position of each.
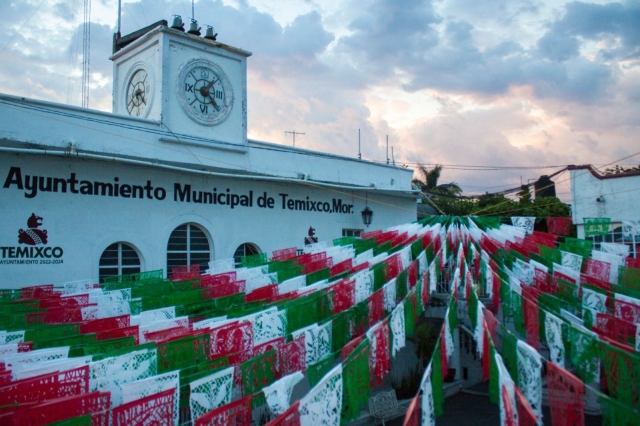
(193, 27)
(86, 52)
(359, 153)
(393, 159)
(387, 149)
(294, 133)
(119, 15)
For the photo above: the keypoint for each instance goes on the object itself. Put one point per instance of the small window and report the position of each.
(118, 259)
(351, 232)
(188, 245)
(246, 249)
(615, 235)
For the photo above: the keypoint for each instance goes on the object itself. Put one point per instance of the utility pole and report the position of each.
(294, 133)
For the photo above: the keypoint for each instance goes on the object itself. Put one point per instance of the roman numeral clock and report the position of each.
(205, 92)
(194, 90)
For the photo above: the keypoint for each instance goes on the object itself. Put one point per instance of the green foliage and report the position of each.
(428, 181)
(425, 339)
(408, 385)
(499, 205)
(446, 198)
(524, 194)
(618, 170)
(544, 207)
(455, 206)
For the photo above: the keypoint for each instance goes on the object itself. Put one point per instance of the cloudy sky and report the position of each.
(493, 83)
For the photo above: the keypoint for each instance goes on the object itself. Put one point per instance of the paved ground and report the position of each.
(465, 409)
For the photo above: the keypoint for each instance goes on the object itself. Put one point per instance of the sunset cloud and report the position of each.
(457, 82)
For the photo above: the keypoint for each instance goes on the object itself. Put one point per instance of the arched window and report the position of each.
(118, 259)
(188, 245)
(245, 249)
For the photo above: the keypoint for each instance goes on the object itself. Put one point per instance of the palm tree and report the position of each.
(429, 182)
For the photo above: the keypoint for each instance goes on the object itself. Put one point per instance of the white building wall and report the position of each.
(84, 225)
(620, 195)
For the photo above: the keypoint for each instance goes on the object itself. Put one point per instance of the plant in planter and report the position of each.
(424, 339)
(406, 386)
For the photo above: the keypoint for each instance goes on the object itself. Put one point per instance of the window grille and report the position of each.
(118, 259)
(245, 249)
(188, 245)
(351, 232)
(615, 235)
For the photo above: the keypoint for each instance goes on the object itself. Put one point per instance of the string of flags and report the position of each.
(552, 319)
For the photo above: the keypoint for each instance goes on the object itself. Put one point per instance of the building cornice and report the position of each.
(600, 176)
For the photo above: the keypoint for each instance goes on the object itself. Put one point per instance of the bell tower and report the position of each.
(193, 86)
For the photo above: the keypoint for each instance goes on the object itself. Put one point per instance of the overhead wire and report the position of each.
(506, 201)
(146, 22)
(489, 187)
(182, 143)
(249, 170)
(434, 204)
(106, 122)
(476, 167)
(561, 181)
(449, 166)
(284, 148)
(49, 83)
(130, 127)
(73, 55)
(198, 157)
(558, 202)
(166, 11)
(22, 26)
(504, 192)
(132, 16)
(186, 13)
(524, 207)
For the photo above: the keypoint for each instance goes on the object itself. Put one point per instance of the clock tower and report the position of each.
(195, 87)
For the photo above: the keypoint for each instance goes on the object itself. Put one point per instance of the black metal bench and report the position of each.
(384, 406)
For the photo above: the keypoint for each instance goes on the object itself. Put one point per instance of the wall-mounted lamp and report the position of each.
(600, 199)
(367, 214)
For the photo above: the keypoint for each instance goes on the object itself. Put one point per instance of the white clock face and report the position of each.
(138, 93)
(205, 92)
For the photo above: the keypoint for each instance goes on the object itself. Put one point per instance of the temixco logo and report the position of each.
(32, 236)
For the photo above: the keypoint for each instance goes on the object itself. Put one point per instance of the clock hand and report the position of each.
(215, 105)
(139, 95)
(211, 84)
(204, 91)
